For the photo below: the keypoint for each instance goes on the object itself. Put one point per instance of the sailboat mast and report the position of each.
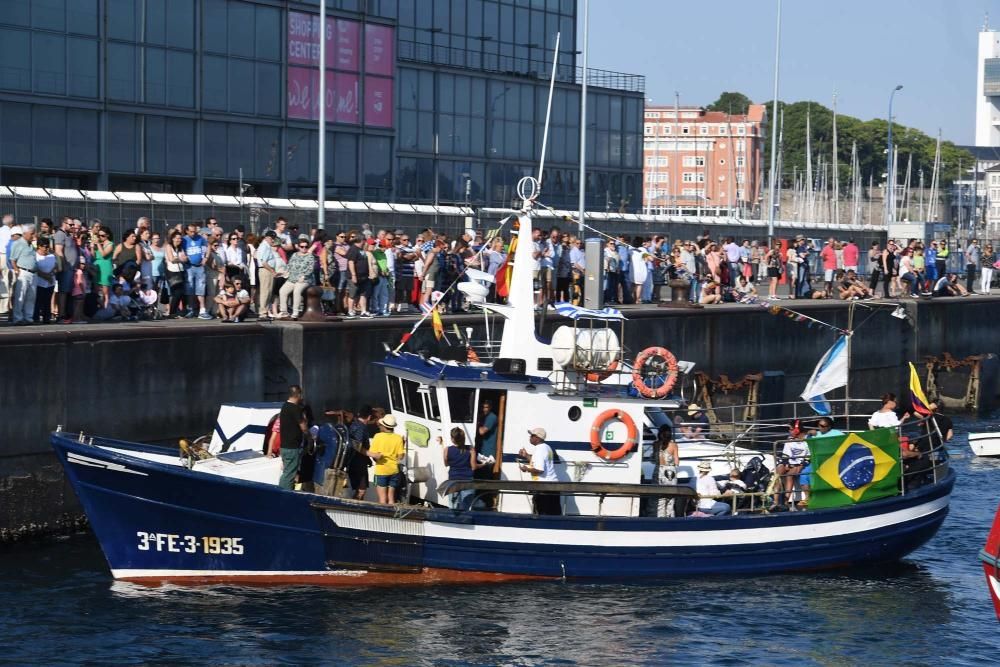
(810, 200)
(935, 176)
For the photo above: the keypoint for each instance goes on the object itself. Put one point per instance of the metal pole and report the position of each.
(890, 182)
(583, 120)
(675, 183)
(321, 170)
(774, 131)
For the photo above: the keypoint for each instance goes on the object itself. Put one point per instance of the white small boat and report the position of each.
(985, 444)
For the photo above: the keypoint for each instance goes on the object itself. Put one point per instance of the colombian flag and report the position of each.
(854, 468)
(437, 323)
(917, 398)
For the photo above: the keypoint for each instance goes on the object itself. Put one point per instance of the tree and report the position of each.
(871, 138)
(730, 102)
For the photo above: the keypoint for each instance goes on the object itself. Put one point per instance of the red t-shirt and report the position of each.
(829, 256)
(851, 253)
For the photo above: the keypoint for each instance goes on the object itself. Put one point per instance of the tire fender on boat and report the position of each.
(669, 379)
(598, 428)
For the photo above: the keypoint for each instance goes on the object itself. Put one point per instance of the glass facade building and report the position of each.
(427, 100)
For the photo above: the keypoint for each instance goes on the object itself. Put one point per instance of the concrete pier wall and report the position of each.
(164, 381)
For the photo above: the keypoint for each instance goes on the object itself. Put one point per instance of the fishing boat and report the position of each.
(161, 514)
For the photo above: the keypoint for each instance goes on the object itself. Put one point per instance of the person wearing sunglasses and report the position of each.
(300, 277)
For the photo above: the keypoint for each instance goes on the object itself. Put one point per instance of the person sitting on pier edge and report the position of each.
(387, 450)
(460, 459)
(293, 430)
(885, 416)
(793, 460)
(708, 489)
(542, 467)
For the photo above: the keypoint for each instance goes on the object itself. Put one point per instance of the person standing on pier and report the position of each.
(5, 285)
(22, 260)
(293, 430)
(971, 262)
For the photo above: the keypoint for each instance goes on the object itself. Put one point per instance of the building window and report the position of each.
(666, 129)
(739, 161)
(701, 176)
(650, 161)
(685, 130)
(694, 161)
(688, 177)
(741, 130)
(703, 129)
(662, 161)
(722, 129)
(648, 129)
(662, 177)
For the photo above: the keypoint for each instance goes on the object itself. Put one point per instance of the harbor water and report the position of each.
(60, 606)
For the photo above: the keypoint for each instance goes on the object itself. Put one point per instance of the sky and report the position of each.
(860, 49)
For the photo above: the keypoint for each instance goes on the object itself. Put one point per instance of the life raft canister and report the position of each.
(669, 379)
(598, 429)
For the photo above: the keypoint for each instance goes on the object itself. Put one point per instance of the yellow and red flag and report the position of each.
(917, 398)
(437, 323)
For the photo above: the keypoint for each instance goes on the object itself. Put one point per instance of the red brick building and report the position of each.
(705, 160)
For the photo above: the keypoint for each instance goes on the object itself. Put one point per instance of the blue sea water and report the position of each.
(59, 606)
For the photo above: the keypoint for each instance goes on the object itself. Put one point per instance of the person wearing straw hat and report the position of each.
(708, 489)
(696, 422)
(387, 450)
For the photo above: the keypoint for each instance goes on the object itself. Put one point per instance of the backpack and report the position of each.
(756, 475)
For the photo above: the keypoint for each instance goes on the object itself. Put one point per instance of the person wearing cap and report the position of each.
(708, 490)
(460, 459)
(294, 427)
(387, 449)
(22, 260)
(794, 458)
(541, 468)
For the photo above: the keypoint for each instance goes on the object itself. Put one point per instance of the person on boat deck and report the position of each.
(542, 468)
(824, 429)
(885, 417)
(358, 464)
(486, 446)
(795, 456)
(708, 488)
(460, 459)
(916, 454)
(293, 430)
(668, 458)
(387, 450)
(694, 427)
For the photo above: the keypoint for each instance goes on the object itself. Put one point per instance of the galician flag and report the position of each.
(830, 373)
(854, 468)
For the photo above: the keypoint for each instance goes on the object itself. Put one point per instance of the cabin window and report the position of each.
(462, 405)
(395, 397)
(414, 401)
(433, 409)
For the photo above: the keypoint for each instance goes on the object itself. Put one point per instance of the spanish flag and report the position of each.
(437, 323)
(917, 398)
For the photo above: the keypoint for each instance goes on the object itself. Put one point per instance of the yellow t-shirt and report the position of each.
(390, 446)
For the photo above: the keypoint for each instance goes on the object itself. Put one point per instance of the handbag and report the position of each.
(996, 264)
(164, 295)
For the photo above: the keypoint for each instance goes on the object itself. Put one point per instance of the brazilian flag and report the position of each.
(854, 468)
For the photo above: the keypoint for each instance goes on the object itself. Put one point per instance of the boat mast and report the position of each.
(935, 176)
(583, 122)
(810, 199)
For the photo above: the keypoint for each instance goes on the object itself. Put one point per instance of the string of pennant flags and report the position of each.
(775, 309)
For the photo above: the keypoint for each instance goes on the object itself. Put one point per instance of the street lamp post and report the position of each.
(890, 178)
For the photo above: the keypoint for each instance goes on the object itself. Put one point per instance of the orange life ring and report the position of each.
(600, 376)
(669, 381)
(598, 428)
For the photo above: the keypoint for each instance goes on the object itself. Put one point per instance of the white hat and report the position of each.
(388, 421)
(694, 409)
(538, 432)
(16, 229)
(705, 465)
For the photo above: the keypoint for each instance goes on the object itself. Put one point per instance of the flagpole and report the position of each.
(847, 387)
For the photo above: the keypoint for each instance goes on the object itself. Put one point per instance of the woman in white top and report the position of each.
(886, 417)
(236, 264)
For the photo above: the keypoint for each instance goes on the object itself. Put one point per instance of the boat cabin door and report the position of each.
(480, 414)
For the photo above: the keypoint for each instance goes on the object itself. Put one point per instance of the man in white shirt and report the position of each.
(542, 468)
(708, 488)
(266, 263)
(5, 226)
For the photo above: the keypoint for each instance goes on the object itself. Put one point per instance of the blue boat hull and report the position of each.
(158, 522)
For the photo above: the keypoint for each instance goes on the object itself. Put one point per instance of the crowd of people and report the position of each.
(75, 270)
